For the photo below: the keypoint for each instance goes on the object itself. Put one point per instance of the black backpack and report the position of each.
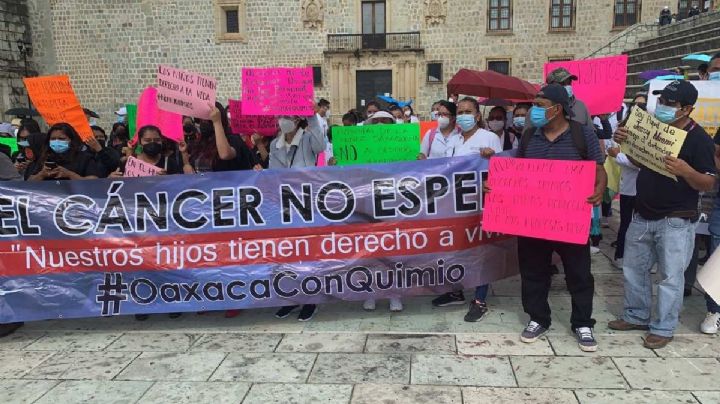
(576, 131)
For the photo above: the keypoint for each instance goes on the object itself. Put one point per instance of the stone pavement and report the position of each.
(345, 355)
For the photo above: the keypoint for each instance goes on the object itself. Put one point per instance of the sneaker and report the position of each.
(449, 299)
(618, 263)
(307, 312)
(532, 332)
(232, 313)
(594, 250)
(142, 317)
(711, 323)
(285, 311)
(9, 328)
(369, 305)
(654, 269)
(477, 311)
(586, 340)
(396, 305)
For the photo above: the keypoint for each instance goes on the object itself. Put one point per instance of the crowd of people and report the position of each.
(658, 215)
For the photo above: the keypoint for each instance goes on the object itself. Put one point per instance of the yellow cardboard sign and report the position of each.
(650, 140)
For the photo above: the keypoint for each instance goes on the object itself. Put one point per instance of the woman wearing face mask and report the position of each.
(150, 140)
(497, 123)
(398, 114)
(519, 118)
(434, 110)
(436, 141)
(63, 158)
(297, 146)
(25, 154)
(107, 159)
(215, 150)
(409, 115)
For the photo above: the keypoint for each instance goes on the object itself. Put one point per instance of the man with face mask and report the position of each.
(713, 70)
(563, 77)
(664, 222)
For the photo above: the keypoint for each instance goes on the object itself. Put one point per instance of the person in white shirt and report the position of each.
(409, 114)
(498, 125)
(323, 115)
(473, 141)
(436, 141)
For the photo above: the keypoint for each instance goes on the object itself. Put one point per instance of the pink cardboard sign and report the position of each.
(138, 168)
(185, 92)
(601, 81)
(249, 124)
(148, 113)
(544, 199)
(278, 91)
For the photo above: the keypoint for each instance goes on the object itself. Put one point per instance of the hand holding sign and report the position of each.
(278, 91)
(54, 98)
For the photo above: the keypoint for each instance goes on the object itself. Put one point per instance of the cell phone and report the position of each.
(51, 165)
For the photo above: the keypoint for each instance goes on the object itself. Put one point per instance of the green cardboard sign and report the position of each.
(375, 143)
(10, 141)
(131, 119)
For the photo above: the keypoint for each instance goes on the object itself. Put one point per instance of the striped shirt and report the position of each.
(563, 147)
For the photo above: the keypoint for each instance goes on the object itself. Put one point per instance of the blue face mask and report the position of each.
(433, 116)
(519, 122)
(538, 116)
(714, 76)
(569, 91)
(466, 122)
(665, 114)
(23, 143)
(59, 146)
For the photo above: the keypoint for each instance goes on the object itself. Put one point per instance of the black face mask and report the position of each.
(152, 149)
(189, 128)
(207, 130)
(642, 105)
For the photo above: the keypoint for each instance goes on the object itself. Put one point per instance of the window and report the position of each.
(499, 66)
(626, 13)
(230, 20)
(317, 76)
(562, 15)
(434, 72)
(500, 15)
(373, 17)
(560, 58)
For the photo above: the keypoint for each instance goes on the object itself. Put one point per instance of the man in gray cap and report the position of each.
(563, 77)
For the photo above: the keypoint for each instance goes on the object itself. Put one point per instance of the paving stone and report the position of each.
(322, 342)
(237, 342)
(152, 342)
(669, 373)
(695, 346)
(567, 372)
(361, 368)
(409, 343)
(195, 392)
(83, 365)
(462, 370)
(19, 340)
(24, 391)
(74, 341)
(476, 395)
(500, 344)
(399, 394)
(265, 367)
(271, 393)
(634, 396)
(105, 392)
(171, 366)
(707, 397)
(615, 345)
(14, 364)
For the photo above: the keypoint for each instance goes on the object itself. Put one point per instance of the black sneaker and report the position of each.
(307, 312)
(476, 312)
(285, 311)
(174, 315)
(142, 317)
(9, 328)
(532, 332)
(449, 299)
(586, 340)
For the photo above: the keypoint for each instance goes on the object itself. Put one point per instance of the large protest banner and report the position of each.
(707, 107)
(544, 199)
(184, 92)
(650, 140)
(376, 143)
(278, 91)
(601, 81)
(245, 239)
(265, 125)
(54, 98)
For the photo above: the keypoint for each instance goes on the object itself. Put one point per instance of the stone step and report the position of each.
(644, 52)
(674, 57)
(681, 29)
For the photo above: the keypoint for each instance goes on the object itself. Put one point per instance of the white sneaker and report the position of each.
(710, 324)
(618, 263)
(594, 250)
(396, 305)
(369, 304)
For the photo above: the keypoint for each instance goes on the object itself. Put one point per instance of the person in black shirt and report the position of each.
(151, 141)
(216, 149)
(62, 157)
(663, 228)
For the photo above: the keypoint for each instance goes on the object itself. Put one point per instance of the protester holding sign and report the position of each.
(474, 139)
(63, 158)
(436, 141)
(667, 210)
(215, 150)
(150, 140)
(558, 137)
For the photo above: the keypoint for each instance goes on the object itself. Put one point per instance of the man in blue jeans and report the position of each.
(662, 230)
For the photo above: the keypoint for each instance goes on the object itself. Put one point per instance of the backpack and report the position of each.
(576, 131)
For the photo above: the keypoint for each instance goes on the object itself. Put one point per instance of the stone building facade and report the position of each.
(14, 43)
(110, 48)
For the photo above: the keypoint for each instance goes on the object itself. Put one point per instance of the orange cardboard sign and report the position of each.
(55, 100)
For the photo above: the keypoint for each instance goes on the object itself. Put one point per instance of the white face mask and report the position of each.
(286, 125)
(443, 122)
(496, 125)
(407, 113)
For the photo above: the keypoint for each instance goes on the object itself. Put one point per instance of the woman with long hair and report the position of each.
(63, 157)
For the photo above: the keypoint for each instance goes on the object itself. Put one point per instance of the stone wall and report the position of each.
(110, 47)
(14, 26)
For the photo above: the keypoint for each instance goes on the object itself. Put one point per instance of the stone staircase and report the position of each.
(672, 43)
